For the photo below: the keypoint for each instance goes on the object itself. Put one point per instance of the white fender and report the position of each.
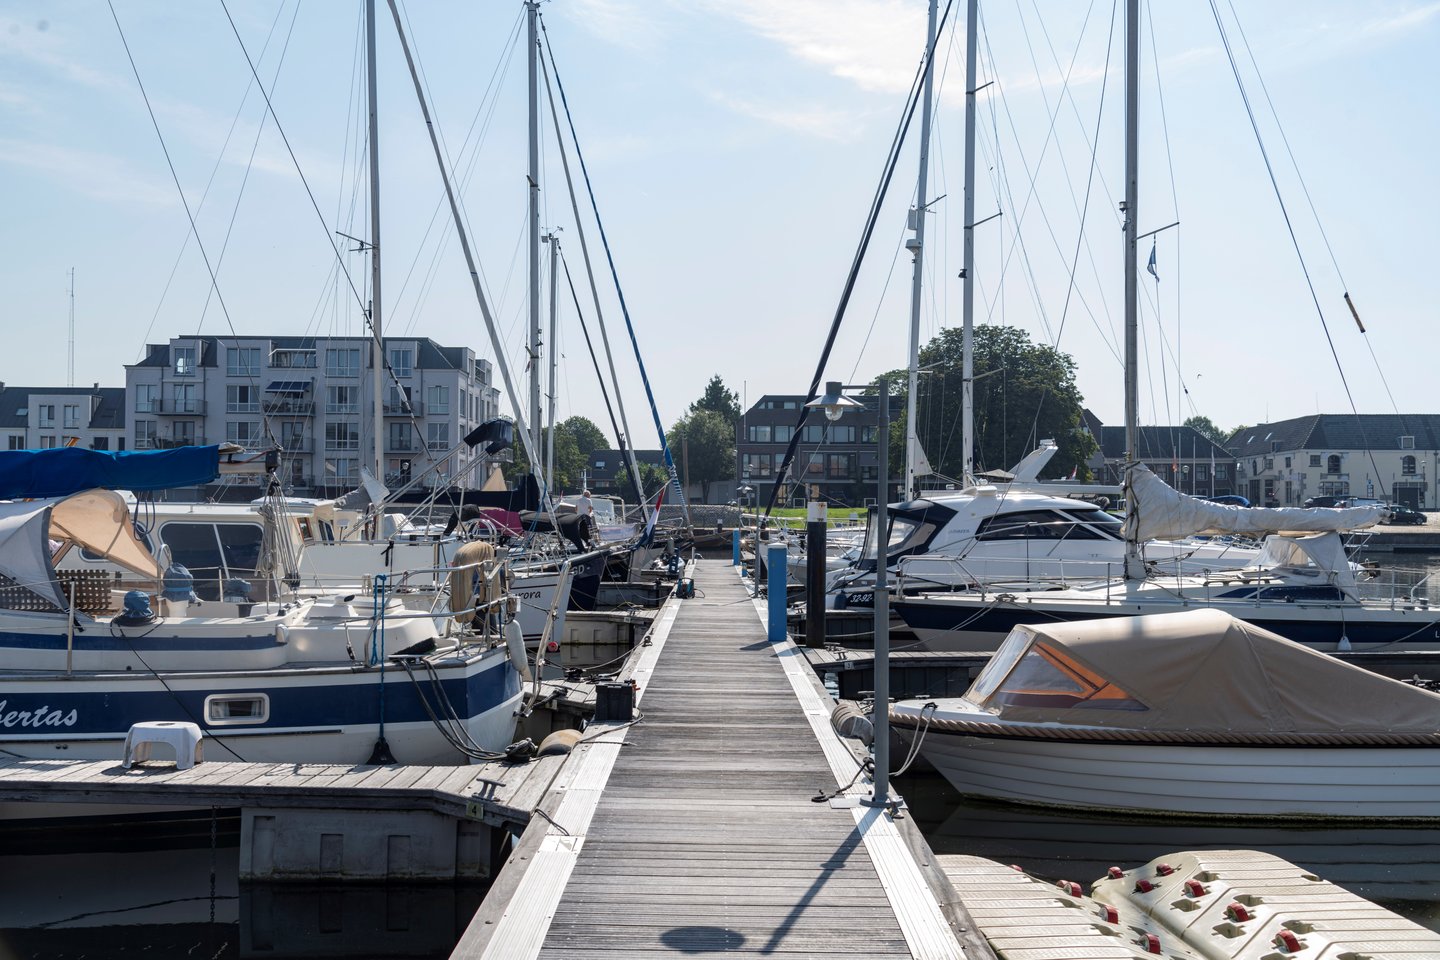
(515, 646)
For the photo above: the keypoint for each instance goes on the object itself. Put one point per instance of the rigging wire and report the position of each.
(1290, 229)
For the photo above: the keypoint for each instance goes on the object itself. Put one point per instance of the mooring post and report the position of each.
(735, 547)
(775, 582)
(815, 528)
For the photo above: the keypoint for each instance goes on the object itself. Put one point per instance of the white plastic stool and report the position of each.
(184, 738)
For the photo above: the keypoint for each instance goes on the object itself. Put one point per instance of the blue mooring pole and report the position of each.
(735, 547)
(775, 584)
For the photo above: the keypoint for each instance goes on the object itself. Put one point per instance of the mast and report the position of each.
(916, 246)
(532, 7)
(72, 329)
(967, 301)
(1134, 564)
(377, 348)
(554, 242)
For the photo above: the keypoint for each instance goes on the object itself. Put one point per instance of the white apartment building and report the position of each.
(1388, 456)
(312, 397)
(38, 418)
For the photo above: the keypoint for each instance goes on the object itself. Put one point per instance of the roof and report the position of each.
(1162, 444)
(1198, 671)
(1339, 431)
(429, 355)
(109, 414)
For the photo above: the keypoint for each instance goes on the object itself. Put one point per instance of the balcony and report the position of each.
(147, 406)
(293, 445)
(174, 443)
(180, 408)
(407, 445)
(351, 409)
(290, 407)
(397, 409)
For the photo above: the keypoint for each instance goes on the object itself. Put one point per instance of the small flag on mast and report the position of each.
(1150, 267)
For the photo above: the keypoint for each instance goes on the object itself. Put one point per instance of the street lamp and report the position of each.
(835, 403)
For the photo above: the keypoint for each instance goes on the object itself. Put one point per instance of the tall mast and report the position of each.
(532, 8)
(967, 301)
(554, 242)
(378, 345)
(916, 245)
(72, 328)
(1134, 565)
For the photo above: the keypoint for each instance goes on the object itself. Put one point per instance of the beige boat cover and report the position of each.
(1197, 671)
(1157, 511)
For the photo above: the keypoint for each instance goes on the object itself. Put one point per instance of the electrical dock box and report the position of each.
(614, 703)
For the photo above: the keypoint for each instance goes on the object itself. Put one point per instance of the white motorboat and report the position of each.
(1192, 713)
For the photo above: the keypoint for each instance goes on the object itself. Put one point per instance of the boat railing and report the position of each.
(1003, 574)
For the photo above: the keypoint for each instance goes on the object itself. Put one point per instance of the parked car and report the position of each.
(1403, 514)
(1323, 501)
(1229, 500)
(1360, 502)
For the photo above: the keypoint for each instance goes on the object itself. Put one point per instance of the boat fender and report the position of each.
(558, 744)
(848, 720)
(515, 647)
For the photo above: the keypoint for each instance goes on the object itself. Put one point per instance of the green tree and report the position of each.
(588, 437)
(718, 398)
(1024, 392)
(1207, 428)
(570, 459)
(652, 478)
(703, 445)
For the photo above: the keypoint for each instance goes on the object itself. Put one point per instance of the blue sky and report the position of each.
(734, 146)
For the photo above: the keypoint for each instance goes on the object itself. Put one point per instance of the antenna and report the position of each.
(72, 329)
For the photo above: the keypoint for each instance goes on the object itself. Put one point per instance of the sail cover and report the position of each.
(1159, 512)
(61, 471)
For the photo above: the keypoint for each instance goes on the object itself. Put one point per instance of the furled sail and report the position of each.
(1157, 511)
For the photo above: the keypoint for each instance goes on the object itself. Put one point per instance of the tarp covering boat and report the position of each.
(1157, 511)
(61, 471)
(1201, 671)
(97, 520)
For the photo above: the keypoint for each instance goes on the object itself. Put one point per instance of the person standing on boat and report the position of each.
(585, 507)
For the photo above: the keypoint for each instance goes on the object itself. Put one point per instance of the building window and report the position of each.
(400, 438)
(147, 398)
(342, 471)
(1220, 472)
(47, 442)
(183, 433)
(599, 464)
(342, 399)
(839, 466)
(437, 399)
(1332, 463)
(100, 443)
(145, 434)
(292, 435)
(343, 435)
(1407, 443)
(242, 361)
(184, 361)
(1202, 472)
(183, 398)
(402, 362)
(242, 398)
(244, 432)
(867, 435)
(816, 465)
(1287, 463)
(439, 435)
(17, 443)
(758, 465)
(782, 434)
(72, 416)
(1314, 459)
(1269, 463)
(760, 433)
(1407, 466)
(47, 414)
(343, 362)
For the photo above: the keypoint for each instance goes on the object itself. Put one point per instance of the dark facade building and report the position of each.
(605, 465)
(37, 418)
(836, 462)
(1181, 456)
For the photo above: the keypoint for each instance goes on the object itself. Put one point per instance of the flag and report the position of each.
(1150, 267)
(654, 515)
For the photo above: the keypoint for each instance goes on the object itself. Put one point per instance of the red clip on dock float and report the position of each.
(1163, 869)
(1195, 888)
(1143, 886)
(1238, 913)
(1152, 943)
(1115, 873)
(1108, 913)
(1287, 941)
(1070, 887)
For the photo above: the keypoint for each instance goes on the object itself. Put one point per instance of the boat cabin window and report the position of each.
(1108, 525)
(1033, 525)
(214, 552)
(237, 708)
(1046, 676)
(906, 534)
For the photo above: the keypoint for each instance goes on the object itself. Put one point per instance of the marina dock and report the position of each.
(694, 829)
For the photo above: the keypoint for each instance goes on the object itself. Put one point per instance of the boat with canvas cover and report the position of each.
(1194, 713)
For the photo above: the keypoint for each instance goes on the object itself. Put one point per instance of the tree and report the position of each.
(588, 437)
(710, 439)
(717, 398)
(1207, 428)
(652, 478)
(1024, 393)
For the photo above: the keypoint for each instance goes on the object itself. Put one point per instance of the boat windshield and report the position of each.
(1039, 675)
(906, 533)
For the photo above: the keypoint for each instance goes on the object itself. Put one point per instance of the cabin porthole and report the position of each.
(234, 709)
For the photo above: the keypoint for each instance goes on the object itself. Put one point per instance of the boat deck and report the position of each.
(694, 829)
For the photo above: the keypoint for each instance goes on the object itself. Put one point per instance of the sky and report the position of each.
(733, 147)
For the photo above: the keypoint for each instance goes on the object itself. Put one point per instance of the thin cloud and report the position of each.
(1402, 21)
(98, 175)
(875, 44)
(622, 22)
(820, 122)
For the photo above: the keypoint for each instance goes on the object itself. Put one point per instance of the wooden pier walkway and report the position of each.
(693, 830)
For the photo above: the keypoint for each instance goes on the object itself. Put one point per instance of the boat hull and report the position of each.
(1274, 782)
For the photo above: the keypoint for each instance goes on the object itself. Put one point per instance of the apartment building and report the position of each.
(37, 418)
(313, 398)
(835, 461)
